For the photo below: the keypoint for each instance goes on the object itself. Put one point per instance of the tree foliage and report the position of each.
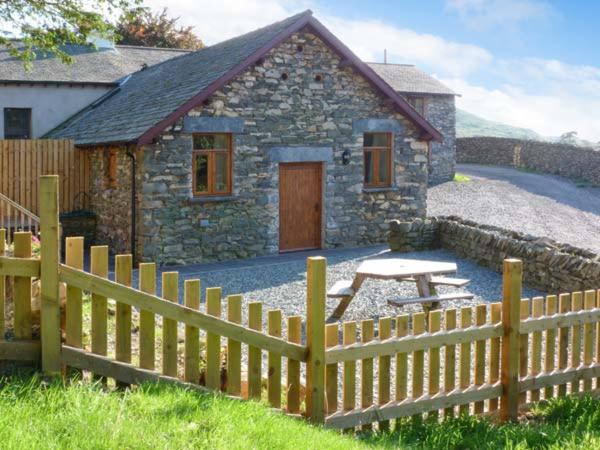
(570, 137)
(44, 26)
(156, 30)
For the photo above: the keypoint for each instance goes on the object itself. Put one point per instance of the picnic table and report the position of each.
(426, 274)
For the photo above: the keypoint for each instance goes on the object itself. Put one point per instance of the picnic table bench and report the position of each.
(426, 274)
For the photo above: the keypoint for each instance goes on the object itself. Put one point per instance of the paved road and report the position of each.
(542, 205)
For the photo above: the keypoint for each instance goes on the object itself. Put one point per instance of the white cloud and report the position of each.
(215, 21)
(484, 14)
(549, 113)
(368, 39)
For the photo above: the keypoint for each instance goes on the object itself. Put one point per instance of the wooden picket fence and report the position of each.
(489, 358)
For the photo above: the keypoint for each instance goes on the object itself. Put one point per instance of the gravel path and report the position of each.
(542, 205)
(280, 282)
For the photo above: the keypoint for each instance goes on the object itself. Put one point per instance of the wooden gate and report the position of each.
(300, 191)
(23, 161)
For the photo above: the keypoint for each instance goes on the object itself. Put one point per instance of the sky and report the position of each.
(527, 63)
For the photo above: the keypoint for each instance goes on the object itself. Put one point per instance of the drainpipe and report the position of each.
(131, 155)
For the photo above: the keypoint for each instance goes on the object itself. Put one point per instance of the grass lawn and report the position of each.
(83, 415)
(461, 178)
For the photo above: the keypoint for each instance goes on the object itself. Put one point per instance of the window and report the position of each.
(212, 164)
(17, 123)
(378, 159)
(418, 103)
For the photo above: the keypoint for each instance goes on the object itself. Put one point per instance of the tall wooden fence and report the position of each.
(23, 161)
(492, 357)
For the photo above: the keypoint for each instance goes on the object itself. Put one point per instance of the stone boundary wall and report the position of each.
(558, 159)
(548, 266)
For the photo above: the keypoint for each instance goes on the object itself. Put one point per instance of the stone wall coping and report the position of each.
(300, 154)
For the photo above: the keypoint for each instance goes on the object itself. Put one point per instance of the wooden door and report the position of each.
(300, 206)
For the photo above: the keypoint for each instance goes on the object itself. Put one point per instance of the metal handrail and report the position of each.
(11, 212)
(20, 208)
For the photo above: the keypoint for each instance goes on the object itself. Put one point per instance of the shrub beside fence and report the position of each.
(489, 358)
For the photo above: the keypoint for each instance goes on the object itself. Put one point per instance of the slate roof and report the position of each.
(407, 79)
(152, 99)
(90, 65)
(152, 93)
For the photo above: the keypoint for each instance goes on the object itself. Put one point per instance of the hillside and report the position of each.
(468, 125)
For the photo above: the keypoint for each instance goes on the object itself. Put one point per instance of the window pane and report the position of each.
(376, 140)
(221, 172)
(383, 167)
(210, 141)
(201, 173)
(418, 103)
(204, 141)
(221, 141)
(369, 168)
(17, 123)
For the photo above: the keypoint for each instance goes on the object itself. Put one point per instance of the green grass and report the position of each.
(84, 416)
(80, 415)
(566, 423)
(461, 178)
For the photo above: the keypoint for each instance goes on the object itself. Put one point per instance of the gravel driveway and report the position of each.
(280, 282)
(542, 205)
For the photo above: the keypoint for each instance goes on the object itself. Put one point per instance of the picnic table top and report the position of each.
(393, 268)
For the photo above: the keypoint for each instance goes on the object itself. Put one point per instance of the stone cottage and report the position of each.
(434, 101)
(277, 140)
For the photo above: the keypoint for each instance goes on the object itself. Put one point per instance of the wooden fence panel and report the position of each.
(349, 387)
(293, 366)
(449, 360)
(494, 367)
(22, 162)
(234, 348)
(384, 366)
(550, 347)
(2, 284)
(366, 369)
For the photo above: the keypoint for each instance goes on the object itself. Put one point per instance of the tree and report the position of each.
(44, 26)
(156, 30)
(570, 137)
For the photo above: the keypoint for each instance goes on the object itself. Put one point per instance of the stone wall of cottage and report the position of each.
(440, 111)
(112, 205)
(299, 111)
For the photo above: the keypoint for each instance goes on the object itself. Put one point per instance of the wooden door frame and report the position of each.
(321, 226)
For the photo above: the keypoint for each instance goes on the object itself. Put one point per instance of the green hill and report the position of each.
(469, 125)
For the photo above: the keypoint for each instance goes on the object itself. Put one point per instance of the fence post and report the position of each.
(2, 282)
(315, 339)
(50, 314)
(511, 304)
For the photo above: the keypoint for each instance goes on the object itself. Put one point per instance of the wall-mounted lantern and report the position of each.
(346, 157)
